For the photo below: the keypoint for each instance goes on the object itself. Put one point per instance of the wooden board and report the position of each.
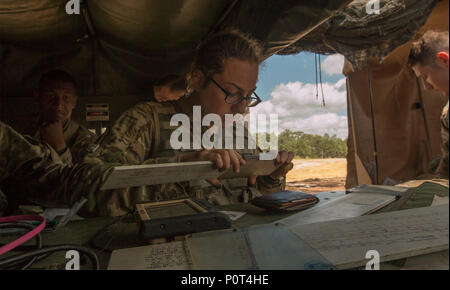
(395, 235)
(139, 175)
(348, 206)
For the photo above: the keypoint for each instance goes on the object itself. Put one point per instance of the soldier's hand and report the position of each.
(52, 133)
(222, 159)
(284, 164)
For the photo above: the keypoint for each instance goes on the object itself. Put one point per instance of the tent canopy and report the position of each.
(119, 47)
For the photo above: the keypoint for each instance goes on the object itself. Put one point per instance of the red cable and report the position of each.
(23, 239)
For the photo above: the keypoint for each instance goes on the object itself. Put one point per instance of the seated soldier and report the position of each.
(429, 59)
(57, 96)
(33, 172)
(222, 81)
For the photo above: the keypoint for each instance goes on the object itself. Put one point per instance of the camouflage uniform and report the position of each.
(33, 172)
(142, 136)
(445, 138)
(79, 140)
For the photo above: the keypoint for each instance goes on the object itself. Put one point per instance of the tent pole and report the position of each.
(425, 120)
(375, 153)
(92, 36)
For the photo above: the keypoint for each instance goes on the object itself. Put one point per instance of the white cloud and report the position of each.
(330, 123)
(333, 64)
(299, 110)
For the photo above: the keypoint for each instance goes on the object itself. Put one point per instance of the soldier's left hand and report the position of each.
(284, 164)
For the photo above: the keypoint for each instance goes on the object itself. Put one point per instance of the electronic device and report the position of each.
(168, 219)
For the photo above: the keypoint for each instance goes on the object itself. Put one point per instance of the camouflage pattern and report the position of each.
(445, 138)
(142, 136)
(79, 140)
(32, 172)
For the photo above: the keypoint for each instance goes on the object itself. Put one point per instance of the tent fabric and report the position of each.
(360, 36)
(118, 47)
(404, 148)
(126, 50)
(276, 23)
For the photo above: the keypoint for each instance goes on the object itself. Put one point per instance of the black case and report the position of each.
(183, 225)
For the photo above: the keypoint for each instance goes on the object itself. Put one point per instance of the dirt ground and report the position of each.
(317, 175)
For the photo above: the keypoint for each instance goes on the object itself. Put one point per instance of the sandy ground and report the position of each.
(317, 175)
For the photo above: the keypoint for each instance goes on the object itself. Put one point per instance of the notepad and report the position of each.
(168, 256)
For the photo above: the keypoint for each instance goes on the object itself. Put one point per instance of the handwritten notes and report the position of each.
(395, 235)
(348, 206)
(168, 256)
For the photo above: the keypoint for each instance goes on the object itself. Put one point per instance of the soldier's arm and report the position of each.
(443, 169)
(28, 173)
(84, 143)
(131, 139)
(266, 184)
(276, 181)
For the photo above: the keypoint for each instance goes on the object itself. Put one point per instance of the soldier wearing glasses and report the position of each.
(222, 80)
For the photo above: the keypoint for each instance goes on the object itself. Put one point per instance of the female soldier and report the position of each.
(222, 80)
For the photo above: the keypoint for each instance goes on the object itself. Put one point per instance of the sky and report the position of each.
(287, 86)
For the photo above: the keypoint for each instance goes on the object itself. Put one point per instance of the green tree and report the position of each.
(312, 146)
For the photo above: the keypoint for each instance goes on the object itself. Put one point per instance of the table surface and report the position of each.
(106, 234)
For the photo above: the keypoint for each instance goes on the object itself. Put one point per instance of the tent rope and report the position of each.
(375, 153)
(321, 83)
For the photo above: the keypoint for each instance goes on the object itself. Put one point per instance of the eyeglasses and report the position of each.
(234, 99)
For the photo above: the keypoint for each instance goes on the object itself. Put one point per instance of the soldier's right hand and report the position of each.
(53, 134)
(222, 159)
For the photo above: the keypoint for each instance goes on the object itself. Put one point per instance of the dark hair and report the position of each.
(56, 75)
(425, 49)
(175, 82)
(211, 54)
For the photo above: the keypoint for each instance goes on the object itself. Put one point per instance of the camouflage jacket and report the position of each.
(142, 136)
(445, 138)
(33, 172)
(79, 140)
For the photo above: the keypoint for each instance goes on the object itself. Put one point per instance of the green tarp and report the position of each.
(118, 47)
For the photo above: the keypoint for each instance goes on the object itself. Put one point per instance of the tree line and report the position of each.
(312, 146)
